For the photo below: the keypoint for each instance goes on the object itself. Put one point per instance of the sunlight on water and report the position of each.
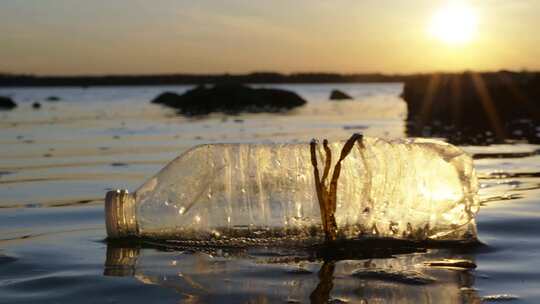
(57, 162)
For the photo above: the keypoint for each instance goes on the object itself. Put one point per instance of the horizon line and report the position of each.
(261, 72)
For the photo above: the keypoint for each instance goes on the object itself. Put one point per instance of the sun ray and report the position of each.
(427, 103)
(455, 97)
(487, 104)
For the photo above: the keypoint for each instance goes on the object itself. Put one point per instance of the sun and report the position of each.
(454, 24)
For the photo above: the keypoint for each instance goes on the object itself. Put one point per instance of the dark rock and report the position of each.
(53, 98)
(230, 99)
(36, 105)
(474, 108)
(7, 103)
(339, 95)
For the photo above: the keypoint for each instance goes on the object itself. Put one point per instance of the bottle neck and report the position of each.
(120, 216)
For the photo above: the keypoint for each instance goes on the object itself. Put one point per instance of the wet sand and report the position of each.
(56, 164)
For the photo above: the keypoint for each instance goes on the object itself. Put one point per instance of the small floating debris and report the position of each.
(299, 270)
(398, 276)
(5, 173)
(499, 298)
(53, 98)
(119, 164)
(36, 105)
(451, 263)
(355, 127)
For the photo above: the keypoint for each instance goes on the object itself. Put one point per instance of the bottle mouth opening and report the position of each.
(120, 216)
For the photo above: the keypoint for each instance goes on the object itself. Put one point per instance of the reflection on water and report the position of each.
(66, 153)
(281, 275)
(525, 131)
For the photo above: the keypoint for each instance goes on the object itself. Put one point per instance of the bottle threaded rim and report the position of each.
(120, 216)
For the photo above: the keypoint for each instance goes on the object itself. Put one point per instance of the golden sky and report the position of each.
(237, 36)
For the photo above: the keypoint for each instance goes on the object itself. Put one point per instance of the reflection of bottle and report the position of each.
(413, 189)
(121, 261)
(404, 278)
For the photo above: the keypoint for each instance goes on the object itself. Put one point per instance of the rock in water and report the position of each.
(7, 103)
(230, 99)
(339, 95)
(472, 104)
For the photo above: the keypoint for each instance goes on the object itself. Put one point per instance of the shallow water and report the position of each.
(56, 164)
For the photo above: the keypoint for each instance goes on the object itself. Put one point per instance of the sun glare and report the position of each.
(454, 24)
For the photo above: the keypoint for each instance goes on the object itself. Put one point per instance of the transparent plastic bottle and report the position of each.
(415, 189)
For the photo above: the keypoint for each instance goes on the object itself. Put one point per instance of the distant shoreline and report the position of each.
(11, 80)
(14, 80)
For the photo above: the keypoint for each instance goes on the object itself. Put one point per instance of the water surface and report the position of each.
(56, 164)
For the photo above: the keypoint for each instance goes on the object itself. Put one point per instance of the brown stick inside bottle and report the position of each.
(327, 192)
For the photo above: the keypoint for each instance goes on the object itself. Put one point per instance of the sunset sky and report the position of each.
(346, 36)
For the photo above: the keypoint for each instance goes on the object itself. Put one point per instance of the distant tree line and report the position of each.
(172, 79)
(13, 80)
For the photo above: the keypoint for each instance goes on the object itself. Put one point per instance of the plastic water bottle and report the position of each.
(415, 189)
